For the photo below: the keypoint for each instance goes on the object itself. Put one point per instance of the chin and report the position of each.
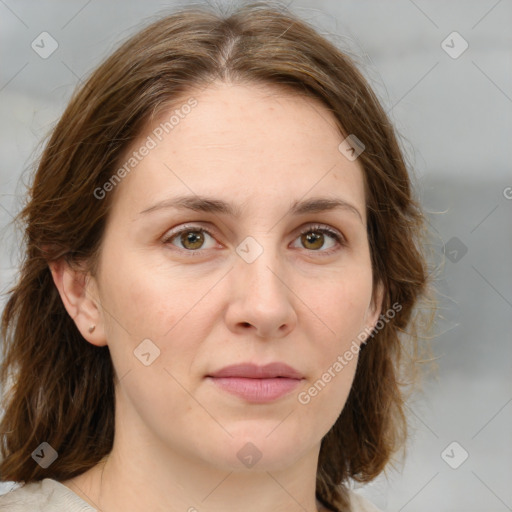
(257, 450)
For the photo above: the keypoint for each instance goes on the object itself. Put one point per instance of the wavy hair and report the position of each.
(60, 389)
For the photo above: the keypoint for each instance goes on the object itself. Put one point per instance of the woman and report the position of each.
(223, 260)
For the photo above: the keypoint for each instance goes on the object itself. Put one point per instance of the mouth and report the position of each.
(257, 384)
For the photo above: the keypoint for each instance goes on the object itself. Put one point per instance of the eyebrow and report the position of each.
(213, 205)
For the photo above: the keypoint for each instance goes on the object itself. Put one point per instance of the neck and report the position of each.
(118, 483)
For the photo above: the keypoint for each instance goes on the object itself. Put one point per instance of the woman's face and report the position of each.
(243, 268)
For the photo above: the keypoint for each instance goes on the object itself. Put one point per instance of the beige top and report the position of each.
(49, 495)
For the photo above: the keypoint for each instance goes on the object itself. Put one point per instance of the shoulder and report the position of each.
(51, 496)
(359, 503)
(47, 495)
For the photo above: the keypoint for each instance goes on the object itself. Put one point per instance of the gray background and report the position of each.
(454, 116)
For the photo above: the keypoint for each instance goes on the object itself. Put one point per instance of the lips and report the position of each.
(257, 384)
(253, 371)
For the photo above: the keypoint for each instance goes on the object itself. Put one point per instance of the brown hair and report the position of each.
(62, 388)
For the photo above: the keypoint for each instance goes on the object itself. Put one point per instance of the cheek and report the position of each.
(335, 348)
(342, 309)
(144, 301)
(341, 304)
(323, 398)
(155, 304)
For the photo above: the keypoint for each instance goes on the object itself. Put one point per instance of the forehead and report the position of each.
(244, 140)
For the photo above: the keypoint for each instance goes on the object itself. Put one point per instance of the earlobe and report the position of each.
(375, 306)
(78, 294)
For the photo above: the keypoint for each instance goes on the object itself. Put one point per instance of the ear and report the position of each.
(375, 308)
(79, 292)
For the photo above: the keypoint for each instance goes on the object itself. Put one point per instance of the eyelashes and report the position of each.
(322, 230)
(194, 238)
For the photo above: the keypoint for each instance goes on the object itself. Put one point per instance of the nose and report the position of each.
(262, 298)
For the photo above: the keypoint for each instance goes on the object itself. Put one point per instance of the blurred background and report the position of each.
(444, 74)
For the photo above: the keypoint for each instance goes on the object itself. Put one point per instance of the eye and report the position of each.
(320, 239)
(315, 238)
(190, 238)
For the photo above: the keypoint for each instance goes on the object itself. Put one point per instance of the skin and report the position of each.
(300, 302)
